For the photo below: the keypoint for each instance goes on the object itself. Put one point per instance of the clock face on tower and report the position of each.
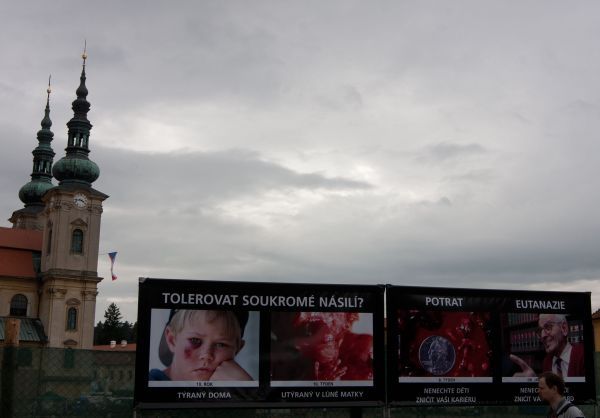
(80, 200)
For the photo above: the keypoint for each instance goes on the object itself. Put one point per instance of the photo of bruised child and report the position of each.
(200, 345)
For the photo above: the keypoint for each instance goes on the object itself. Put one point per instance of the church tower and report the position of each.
(71, 237)
(30, 217)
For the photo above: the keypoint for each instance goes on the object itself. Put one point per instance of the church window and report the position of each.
(77, 241)
(71, 319)
(37, 261)
(49, 243)
(18, 305)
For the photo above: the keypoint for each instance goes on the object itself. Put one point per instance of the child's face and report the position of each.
(199, 348)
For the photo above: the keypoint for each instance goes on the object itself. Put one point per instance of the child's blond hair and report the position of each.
(187, 316)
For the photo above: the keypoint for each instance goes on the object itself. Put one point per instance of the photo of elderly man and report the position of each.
(562, 357)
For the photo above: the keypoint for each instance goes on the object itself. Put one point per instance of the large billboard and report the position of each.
(206, 343)
(467, 347)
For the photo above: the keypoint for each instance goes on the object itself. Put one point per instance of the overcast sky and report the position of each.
(407, 142)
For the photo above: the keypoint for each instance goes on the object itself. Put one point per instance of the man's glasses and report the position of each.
(546, 328)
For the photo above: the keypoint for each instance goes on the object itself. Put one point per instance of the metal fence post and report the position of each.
(9, 364)
(8, 378)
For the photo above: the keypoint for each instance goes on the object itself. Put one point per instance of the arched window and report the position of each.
(18, 305)
(72, 319)
(77, 241)
(49, 243)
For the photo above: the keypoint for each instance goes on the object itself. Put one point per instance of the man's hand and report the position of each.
(230, 370)
(526, 370)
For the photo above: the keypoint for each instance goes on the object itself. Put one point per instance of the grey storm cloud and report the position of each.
(447, 150)
(434, 143)
(206, 176)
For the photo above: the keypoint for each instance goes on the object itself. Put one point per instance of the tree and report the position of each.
(113, 316)
(134, 332)
(112, 329)
(99, 333)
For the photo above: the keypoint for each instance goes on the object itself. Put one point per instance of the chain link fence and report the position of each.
(54, 382)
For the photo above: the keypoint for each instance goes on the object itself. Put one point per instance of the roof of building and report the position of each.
(117, 347)
(17, 247)
(16, 263)
(31, 330)
(596, 315)
(21, 239)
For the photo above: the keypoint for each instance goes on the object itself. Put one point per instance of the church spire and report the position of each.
(76, 167)
(43, 155)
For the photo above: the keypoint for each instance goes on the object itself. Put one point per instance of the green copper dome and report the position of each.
(41, 177)
(75, 166)
(71, 169)
(32, 192)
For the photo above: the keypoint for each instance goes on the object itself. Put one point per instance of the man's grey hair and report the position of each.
(559, 317)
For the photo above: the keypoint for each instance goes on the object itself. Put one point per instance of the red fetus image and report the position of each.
(319, 346)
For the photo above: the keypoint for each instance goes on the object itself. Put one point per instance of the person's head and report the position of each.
(553, 332)
(200, 340)
(551, 387)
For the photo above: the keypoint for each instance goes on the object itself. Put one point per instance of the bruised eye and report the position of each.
(195, 341)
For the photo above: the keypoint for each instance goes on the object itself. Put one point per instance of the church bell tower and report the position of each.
(31, 216)
(71, 237)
